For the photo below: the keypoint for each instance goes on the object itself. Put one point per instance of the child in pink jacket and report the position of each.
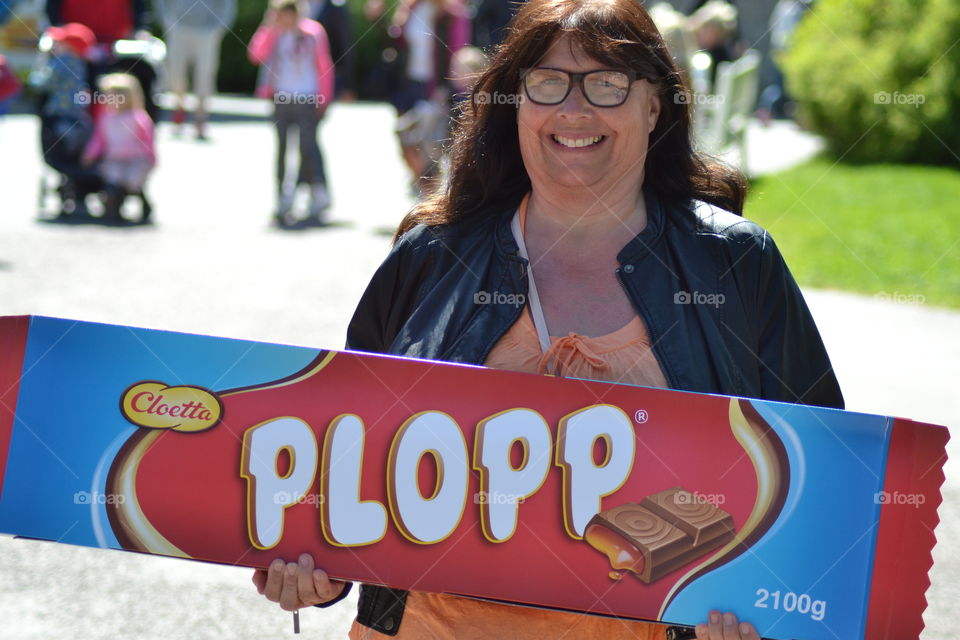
(297, 73)
(122, 140)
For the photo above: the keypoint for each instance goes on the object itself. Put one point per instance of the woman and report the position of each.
(584, 195)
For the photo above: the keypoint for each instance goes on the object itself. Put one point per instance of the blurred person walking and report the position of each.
(714, 27)
(428, 34)
(194, 31)
(335, 18)
(490, 18)
(296, 71)
(774, 101)
(122, 141)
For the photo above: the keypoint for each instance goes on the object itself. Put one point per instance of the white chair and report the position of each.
(721, 119)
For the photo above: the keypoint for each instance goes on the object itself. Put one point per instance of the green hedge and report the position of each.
(880, 79)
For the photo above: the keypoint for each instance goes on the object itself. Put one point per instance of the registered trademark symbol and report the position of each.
(641, 416)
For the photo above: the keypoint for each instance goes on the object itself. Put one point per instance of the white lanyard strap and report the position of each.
(536, 311)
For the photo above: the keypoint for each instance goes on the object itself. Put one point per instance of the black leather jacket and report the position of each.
(722, 310)
(723, 313)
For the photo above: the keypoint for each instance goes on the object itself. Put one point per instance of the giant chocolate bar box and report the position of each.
(608, 499)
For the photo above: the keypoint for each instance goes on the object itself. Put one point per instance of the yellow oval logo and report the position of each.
(154, 405)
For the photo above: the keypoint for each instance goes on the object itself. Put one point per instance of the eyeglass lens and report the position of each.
(601, 88)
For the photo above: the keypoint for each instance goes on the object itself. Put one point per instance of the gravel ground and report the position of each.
(212, 264)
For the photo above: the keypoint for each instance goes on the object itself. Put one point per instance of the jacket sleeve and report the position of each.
(261, 45)
(794, 366)
(389, 299)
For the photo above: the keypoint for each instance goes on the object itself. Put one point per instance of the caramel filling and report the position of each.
(621, 554)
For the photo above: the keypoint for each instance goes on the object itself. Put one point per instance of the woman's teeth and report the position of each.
(577, 142)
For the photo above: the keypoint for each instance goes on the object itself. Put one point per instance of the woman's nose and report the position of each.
(575, 104)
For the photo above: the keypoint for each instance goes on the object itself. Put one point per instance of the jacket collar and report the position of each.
(634, 250)
(642, 243)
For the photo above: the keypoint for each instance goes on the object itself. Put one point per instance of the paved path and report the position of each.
(212, 264)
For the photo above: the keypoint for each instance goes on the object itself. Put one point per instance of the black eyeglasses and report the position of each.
(601, 88)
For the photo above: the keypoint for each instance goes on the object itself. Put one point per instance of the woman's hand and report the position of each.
(295, 585)
(725, 627)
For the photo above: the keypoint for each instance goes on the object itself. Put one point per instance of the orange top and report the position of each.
(621, 356)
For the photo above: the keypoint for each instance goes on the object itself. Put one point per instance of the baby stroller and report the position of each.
(63, 191)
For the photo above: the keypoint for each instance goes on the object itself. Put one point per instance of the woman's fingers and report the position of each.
(306, 590)
(715, 625)
(724, 626)
(290, 592)
(747, 632)
(274, 580)
(260, 579)
(326, 588)
(731, 627)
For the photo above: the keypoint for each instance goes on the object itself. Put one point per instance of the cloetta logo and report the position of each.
(186, 408)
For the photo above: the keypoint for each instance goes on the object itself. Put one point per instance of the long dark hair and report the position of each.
(486, 167)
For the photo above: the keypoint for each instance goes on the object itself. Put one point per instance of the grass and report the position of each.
(888, 230)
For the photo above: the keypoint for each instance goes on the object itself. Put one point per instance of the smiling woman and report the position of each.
(581, 198)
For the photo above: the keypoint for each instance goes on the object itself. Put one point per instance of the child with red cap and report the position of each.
(63, 79)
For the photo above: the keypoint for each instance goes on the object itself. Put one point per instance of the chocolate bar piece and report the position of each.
(664, 532)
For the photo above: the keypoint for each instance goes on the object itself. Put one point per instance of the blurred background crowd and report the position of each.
(826, 105)
(851, 110)
(101, 73)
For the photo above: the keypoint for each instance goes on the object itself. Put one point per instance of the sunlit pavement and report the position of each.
(213, 264)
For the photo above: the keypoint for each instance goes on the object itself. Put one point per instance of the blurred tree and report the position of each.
(880, 79)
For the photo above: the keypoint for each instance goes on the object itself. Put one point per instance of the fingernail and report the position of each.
(292, 569)
(714, 617)
(304, 560)
(728, 618)
(276, 565)
(746, 627)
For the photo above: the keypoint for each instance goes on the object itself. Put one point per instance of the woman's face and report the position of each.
(575, 145)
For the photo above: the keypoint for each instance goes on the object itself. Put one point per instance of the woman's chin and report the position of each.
(572, 180)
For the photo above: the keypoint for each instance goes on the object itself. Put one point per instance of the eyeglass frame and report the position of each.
(578, 77)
